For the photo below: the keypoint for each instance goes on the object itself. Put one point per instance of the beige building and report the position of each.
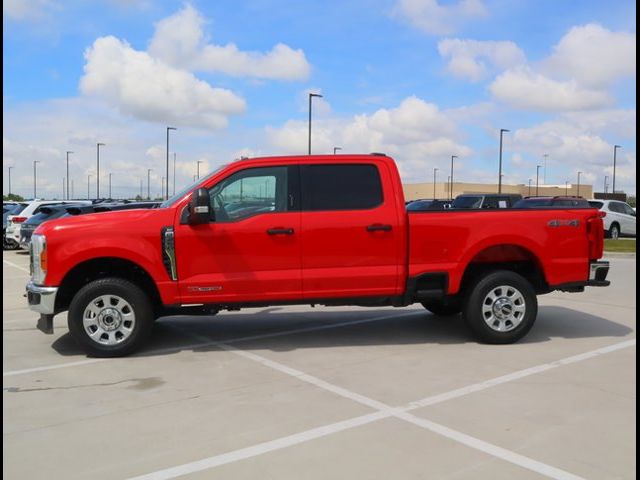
(413, 191)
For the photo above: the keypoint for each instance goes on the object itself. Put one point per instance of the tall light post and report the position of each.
(615, 148)
(88, 186)
(98, 145)
(149, 183)
(335, 149)
(35, 176)
(435, 170)
(578, 193)
(167, 174)
(529, 187)
(566, 187)
(110, 184)
(544, 172)
(10, 180)
(451, 181)
(198, 169)
(502, 130)
(538, 167)
(162, 183)
(174, 174)
(605, 183)
(68, 197)
(311, 95)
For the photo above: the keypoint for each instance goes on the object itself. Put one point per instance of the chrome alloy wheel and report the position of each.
(503, 308)
(108, 319)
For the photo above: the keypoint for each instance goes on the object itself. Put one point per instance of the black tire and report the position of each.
(135, 301)
(479, 294)
(443, 308)
(614, 231)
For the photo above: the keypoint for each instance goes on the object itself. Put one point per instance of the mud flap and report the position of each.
(45, 324)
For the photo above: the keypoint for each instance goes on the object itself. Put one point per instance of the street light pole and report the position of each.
(110, 184)
(529, 187)
(615, 147)
(544, 172)
(538, 167)
(98, 145)
(35, 162)
(162, 183)
(174, 174)
(434, 182)
(605, 183)
(10, 180)
(68, 198)
(311, 95)
(578, 193)
(88, 187)
(149, 183)
(566, 187)
(335, 149)
(198, 168)
(451, 181)
(167, 174)
(502, 130)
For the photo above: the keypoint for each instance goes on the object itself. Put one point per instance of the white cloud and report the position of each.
(524, 88)
(27, 10)
(179, 40)
(146, 88)
(416, 133)
(435, 18)
(471, 59)
(593, 56)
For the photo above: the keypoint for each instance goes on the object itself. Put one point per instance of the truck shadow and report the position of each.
(278, 330)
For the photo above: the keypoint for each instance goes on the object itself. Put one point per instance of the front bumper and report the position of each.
(41, 299)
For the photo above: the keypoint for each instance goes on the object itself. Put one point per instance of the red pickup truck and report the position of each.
(329, 230)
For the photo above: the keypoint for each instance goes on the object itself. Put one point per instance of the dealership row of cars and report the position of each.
(20, 219)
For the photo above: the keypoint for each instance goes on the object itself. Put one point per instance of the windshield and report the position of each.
(187, 189)
(597, 205)
(467, 202)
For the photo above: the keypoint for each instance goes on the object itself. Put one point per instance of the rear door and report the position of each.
(351, 238)
(630, 220)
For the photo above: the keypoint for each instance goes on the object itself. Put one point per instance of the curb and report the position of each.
(619, 255)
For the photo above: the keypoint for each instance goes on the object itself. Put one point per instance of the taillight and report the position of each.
(18, 219)
(595, 236)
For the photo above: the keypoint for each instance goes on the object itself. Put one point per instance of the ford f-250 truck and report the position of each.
(328, 230)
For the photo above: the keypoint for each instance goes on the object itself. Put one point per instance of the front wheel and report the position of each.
(110, 317)
(614, 231)
(501, 307)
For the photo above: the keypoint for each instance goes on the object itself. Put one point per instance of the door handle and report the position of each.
(280, 231)
(377, 227)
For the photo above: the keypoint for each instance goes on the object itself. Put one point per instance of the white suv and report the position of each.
(14, 222)
(620, 218)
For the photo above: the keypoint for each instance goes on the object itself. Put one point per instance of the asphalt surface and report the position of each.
(293, 393)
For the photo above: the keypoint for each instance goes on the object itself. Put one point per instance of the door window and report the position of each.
(251, 192)
(340, 187)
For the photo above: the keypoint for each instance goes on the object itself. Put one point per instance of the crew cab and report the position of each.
(327, 230)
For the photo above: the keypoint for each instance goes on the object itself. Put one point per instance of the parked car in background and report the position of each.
(417, 205)
(15, 220)
(486, 200)
(552, 202)
(620, 218)
(10, 243)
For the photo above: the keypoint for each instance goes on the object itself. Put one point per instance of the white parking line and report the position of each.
(15, 265)
(385, 411)
(211, 343)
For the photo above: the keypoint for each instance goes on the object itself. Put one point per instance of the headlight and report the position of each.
(38, 251)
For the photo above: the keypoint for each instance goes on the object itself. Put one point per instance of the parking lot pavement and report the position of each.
(327, 392)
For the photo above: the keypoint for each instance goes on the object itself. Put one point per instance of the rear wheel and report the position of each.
(614, 231)
(110, 317)
(443, 308)
(501, 307)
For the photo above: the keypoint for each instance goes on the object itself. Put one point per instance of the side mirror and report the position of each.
(199, 207)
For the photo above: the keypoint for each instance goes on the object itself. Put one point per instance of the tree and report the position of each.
(13, 198)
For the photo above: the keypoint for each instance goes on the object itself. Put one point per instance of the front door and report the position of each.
(250, 251)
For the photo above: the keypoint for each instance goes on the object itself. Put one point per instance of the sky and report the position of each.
(420, 80)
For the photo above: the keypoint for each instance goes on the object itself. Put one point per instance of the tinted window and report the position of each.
(420, 205)
(533, 203)
(467, 202)
(616, 207)
(597, 205)
(628, 210)
(38, 218)
(340, 187)
(19, 208)
(250, 192)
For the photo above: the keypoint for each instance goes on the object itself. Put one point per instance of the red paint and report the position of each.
(330, 254)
